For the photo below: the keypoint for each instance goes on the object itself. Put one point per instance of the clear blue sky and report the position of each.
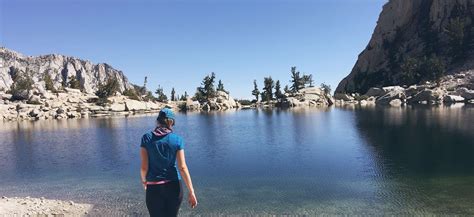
(176, 43)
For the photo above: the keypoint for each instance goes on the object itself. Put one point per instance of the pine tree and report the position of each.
(142, 90)
(278, 94)
(287, 89)
(161, 96)
(297, 81)
(268, 86)
(220, 86)
(308, 80)
(206, 90)
(183, 97)
(255, 90)
(173, 92)
(48, 81)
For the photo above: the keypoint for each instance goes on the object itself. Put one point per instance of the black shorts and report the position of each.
(164, 200)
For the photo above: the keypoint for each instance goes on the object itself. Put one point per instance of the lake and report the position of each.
(335, 161)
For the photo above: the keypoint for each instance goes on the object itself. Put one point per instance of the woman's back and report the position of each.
(162, 149)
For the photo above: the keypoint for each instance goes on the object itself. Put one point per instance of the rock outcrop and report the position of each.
(222, 101)
(60, 69)
(450, 90)
(306, 97)
(411, 31)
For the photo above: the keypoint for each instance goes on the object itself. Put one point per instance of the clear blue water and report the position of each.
(336, 161)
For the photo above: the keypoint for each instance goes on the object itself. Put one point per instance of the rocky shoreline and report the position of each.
(71, 103)
(74, 104)
(27, 206)
(451, 89)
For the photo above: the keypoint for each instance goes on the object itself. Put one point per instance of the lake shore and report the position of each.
(27, 206)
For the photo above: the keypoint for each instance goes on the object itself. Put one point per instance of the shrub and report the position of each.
(433, 67)
(161, 94)
(149, 96)
(73, 82)
(108, 89)
(427, 68)
(131, 94)
(326, 88)
(410, 71)
(245, 102)
(22, 84)
(48, 81)
(457, 34)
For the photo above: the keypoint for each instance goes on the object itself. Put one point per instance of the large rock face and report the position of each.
(60, 68)
(413, 29)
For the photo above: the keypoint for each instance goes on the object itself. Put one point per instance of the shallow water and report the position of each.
(343, 161)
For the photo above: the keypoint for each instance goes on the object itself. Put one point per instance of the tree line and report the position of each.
(272, 90)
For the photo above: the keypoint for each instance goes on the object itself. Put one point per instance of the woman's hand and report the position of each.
(192, 200)
(144, 185)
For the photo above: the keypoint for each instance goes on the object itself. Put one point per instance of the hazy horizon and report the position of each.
(177, 43)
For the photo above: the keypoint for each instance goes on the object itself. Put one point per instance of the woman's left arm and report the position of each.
(144, 165)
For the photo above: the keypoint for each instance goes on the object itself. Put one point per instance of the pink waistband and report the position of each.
(158, 183)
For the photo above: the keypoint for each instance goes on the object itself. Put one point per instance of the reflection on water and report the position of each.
(364, 161)
(423, 140)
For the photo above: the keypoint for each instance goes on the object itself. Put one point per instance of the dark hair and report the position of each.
(163, 120)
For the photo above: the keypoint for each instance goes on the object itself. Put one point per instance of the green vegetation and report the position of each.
(106, 90)
(308, 80)
(411, 71)
(22, 83)
(206, 90)
(161, 96)
(460, 39)
(220, 87)
(434, 68)
(184, 97)
(149, 96)
(268, 86)
(326, 88)
(278, 94)
(286, 89)
(48, 81)
(173, 94)
(416, 70)
(131, 93)
(255, 91)
(297, 82)
(142, 90)
(245, 102)
(73, 82)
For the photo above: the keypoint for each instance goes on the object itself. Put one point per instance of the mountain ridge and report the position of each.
(61, 68)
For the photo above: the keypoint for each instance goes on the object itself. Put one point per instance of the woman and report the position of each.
(160, 150)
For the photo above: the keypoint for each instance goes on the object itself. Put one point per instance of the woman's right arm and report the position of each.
(143, 166)
(183, 170)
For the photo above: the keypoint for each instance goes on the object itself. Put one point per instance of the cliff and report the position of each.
(413, 42)
(60, 68)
